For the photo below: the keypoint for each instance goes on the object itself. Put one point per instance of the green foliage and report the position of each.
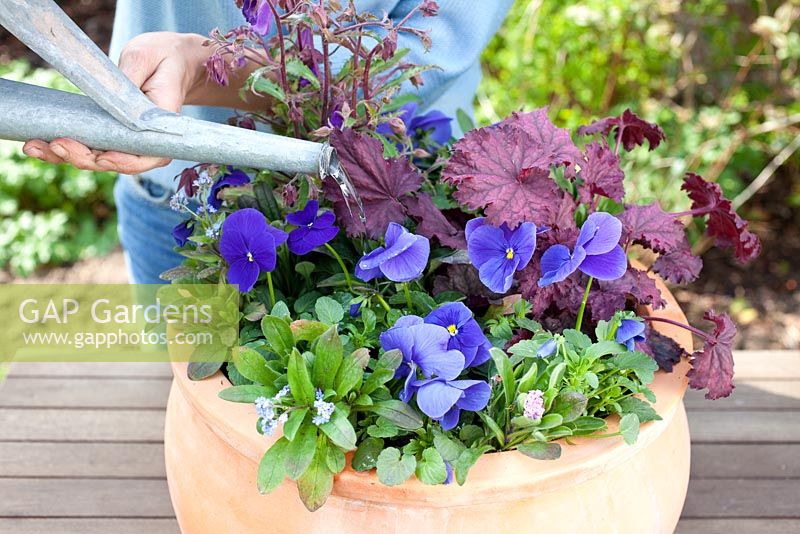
(50, 214)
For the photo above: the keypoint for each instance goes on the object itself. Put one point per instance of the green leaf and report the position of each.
(469, 434)
(493, 426)
(528, 380)
(265, 198)
(202, 370)
(506, 372)
(550, 420)
(399, 413)
(383, 428)
(629, 428)
(588, 425)
(604, 348)
(328, 357)
(278, 335)
(556, 375)
(271, 470)
(328, 310)
(394, 469)
(298, 69)
(577, 339)
(431, 469)
(465, 461)
(641, 364)
(300, 451)
(642, 409)
(390, 360)
(449, 449)
(340, 431)
(292, 425)
(270, 88)
(366, 456)
(570, 405)
(248, 393)
(300, 380)
(335, 459)
(541, 450)
(465, 122)
(304, 330)
(280, 310)
(252, 365)
(316, 483)
(349, 376)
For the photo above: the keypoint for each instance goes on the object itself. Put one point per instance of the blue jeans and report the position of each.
(145, 222)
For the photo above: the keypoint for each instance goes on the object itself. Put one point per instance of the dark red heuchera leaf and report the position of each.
(663, 349)
(601, 174)
(712, 367)
(464, 279)
(380, 183)
(432, 223)
(679, 266)
(652, 227)
(724, 224)
(635, 288)
(505, 169)
(630, 130)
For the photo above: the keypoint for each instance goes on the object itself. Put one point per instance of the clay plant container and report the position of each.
(212, 453)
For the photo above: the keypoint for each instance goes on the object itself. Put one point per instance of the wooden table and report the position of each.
(81, 450)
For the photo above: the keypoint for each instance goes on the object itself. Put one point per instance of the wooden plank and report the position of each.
(744, 426)
(81, 425)
(744, 461)
(88, 369)
(145, 460)
(768, 498)
(89, 526)
(737, 526)
(84, 393)
(751, 394)
(761, 364)
(40, 497)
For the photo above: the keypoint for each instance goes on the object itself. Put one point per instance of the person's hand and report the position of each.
(166, 66)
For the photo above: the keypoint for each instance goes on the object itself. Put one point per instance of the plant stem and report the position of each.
(408, 296)
(271, 290)
(341, 264)
(691, 329)
(383, 302)
(582, 309)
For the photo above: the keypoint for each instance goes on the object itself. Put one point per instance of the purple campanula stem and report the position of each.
(693, 330)
(579, 320)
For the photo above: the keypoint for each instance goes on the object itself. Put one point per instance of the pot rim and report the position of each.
(496, 477)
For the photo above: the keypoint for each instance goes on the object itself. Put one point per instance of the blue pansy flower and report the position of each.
(443, 400)
(436, 123)
(498, 253)
(230, 179)
(183, 231)
(312, 230)
(402, 259)
(249, 246)
(547, 349)
(465, 333)
(630, 332)
(597, 252)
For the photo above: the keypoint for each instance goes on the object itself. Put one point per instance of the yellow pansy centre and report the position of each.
(510, 253)
(249, 256)
(452, 329)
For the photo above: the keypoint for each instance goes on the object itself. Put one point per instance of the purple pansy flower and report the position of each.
(259, 17)
(597, 252)
(231, 179)
(182, 232)
(465, 333)
(449, 468)
(443, 400)
(312, 230)
(402, 259)
(435, 122)
(547, 349)
(498, 253)
(629, 332)
(249, 245)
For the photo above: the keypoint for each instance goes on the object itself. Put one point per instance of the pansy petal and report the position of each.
(399, 338)
(455, 313)
(409, 384)
(394, 232)
(473, 224)
(608, 230)
(365, 270)
(476, 394)
(301, 241)
(279, 236)
(408, 320)
(305, 216)
(325, 219)
(498, 273)
(436, 398)
(437, 122)
(243, 273)
(523, 242)
(410, 264)
(482, 355)
(446, 364)
(262, 249)
(399, 245)
(608, 266)
(485, 243)
(449, 421)
(557, 264)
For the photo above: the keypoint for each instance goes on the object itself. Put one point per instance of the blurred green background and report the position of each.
(719, 76)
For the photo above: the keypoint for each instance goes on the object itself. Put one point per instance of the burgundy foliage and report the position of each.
(628, 129)
(652, 227)
(679, 266)
(600, 174)
(663, 349)
(432, 223)
(712, 367)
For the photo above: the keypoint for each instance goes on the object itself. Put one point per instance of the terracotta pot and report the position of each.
(598, 485)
